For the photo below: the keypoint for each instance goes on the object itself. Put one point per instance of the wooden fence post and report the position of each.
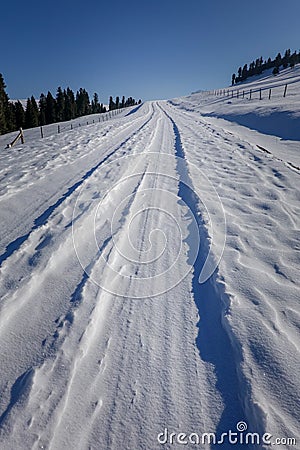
(285, 89)
(250, 94)
(22, 135)
(270, 94)
(42, 134)
(58, 129)
(260, 94)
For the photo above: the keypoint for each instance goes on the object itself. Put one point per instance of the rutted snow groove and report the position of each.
(115, 358)
(134, 110)
(33, 185)
(257, 194)
(19, 390)
(36, 241)
(89, 334)
(42, 219)
(65, 324)
(215, 342)
(78, 291)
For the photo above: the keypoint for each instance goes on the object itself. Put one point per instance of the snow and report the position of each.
(149, 276)
(269, 123)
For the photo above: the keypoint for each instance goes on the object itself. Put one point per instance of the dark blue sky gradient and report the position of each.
(146, 49)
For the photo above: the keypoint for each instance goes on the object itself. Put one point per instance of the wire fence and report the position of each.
(78, 123)
(250, 94)
(56, 128)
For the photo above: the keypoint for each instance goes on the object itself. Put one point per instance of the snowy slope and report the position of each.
(267, 122)
(149, 281)
(34, 134)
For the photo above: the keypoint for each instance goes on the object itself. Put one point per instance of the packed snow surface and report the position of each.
(149, 280)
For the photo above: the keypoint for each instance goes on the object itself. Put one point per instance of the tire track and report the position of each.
(216, 342)
(65, 323)
(257, 194)
(42, 219)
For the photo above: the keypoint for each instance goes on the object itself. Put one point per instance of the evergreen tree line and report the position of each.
(122, 104)
(64, 106)
(259, 65)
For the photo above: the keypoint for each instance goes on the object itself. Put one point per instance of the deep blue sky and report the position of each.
(146, 49)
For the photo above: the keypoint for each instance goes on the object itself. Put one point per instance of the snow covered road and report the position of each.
(123, 311)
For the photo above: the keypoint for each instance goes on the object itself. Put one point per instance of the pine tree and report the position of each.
(82, 103)
(42, 108)
(293, 59)
(278, 60)
(251, 69)
(286, 58)
(95, 104)
(269, 63)
(35, 108)
(60, 105)
(31, 113)
(50, 112)
(11, 117)
(87, 103)
(130, 102)
(19, 115)
(245, 72)
(67, 106)
(111, 104)
(4, 102)
(70, 104)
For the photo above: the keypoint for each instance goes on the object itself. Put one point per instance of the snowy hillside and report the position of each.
(149, 278)
(278, 116)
